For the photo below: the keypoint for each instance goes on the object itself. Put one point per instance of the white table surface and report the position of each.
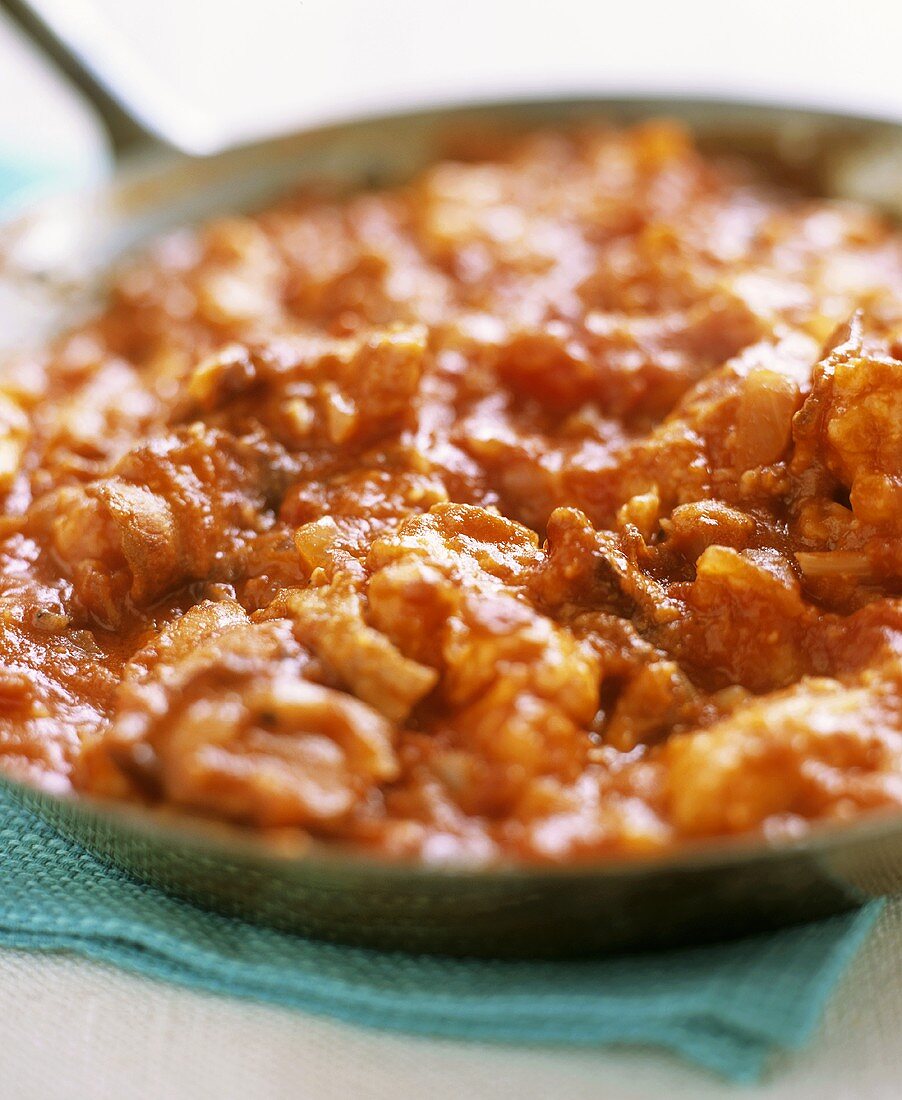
(74, 1030)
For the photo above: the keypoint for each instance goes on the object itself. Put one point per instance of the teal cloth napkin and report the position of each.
(22, 181)
(728, 1007)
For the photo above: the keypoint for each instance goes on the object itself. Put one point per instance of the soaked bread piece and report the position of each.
(547, 506)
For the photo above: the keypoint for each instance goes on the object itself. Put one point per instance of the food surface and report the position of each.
(547, 506)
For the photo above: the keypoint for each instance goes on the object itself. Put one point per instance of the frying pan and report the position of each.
(52, 264)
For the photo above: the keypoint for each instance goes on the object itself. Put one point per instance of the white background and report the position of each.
(211, 71)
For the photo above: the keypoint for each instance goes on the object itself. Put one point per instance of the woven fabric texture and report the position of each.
(726, 1007)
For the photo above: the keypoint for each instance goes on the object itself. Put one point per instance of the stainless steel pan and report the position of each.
(52, 265)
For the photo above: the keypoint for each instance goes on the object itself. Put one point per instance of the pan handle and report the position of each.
(126, 132)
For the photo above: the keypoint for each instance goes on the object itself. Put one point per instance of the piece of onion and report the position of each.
(833, 563)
